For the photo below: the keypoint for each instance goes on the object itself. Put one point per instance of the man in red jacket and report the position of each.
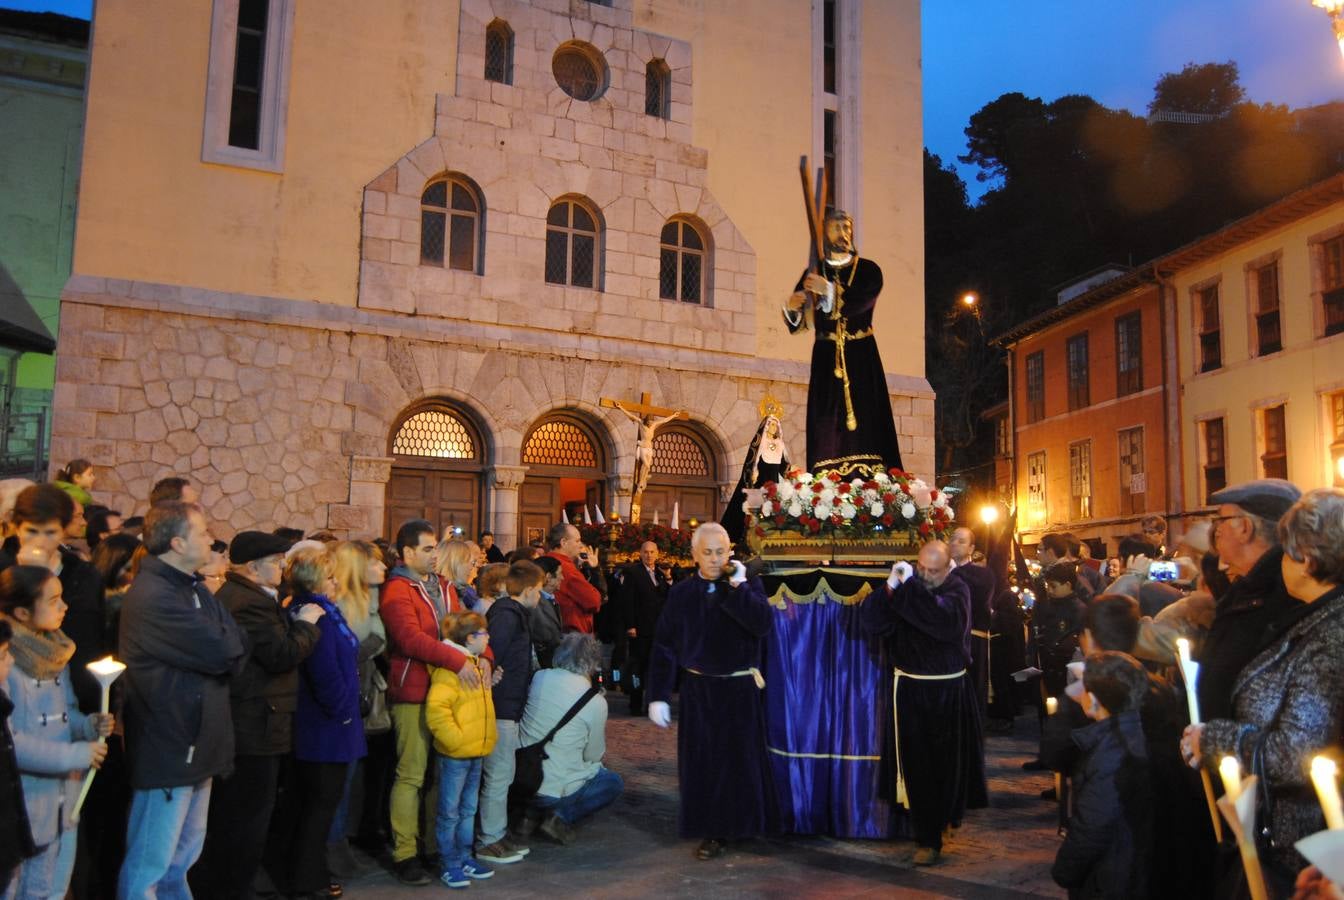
(411, 604)
(576, 596)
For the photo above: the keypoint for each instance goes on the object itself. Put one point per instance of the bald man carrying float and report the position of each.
(932, 759)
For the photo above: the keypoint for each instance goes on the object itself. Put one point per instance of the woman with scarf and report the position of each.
(767, 460)
(459, 561)
(54, 742)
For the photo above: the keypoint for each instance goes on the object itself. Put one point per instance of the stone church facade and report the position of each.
(554, 236)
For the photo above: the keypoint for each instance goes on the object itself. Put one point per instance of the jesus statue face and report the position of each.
(839, 235)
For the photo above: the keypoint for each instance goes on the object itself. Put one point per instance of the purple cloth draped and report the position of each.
(825, 691)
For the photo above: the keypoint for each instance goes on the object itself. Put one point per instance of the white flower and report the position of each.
(804, 478)
(941, 502)
(857, 484)
(951, 514)
(795, 507)
(827, 494)
(785, 490)
(823, 510)
(848, 510)
(767, 508)
(877, 509)
(882, 478)
(908, 509)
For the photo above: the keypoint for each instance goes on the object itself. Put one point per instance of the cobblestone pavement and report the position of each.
(631, 850)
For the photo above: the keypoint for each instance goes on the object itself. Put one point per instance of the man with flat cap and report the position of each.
(262, 698)
(1256, 609)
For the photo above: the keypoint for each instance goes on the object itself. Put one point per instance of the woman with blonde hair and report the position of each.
(459, 561)
(358, 571)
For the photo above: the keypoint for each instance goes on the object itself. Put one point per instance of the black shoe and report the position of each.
(1034, 765)
(410, 872)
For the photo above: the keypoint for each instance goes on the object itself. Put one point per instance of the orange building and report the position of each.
(1088, 421)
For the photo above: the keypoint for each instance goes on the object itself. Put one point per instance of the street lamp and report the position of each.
(971, 298)
(1335, 10)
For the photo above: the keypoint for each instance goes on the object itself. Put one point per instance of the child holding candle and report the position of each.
(1107, 852)
(54, 742)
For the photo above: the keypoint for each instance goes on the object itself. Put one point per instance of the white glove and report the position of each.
(660, 714)
(739, 573)
(899, 573)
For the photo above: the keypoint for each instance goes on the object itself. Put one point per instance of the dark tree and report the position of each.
(1208, 88)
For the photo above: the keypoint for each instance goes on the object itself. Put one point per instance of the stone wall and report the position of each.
(282, 410)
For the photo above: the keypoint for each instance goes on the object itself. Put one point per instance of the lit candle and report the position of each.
(1190, 675)
(1230, 769)
(1323, 774)
(1051, 706)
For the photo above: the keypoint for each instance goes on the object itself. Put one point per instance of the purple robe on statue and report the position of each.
(710, 631)
(926, 633)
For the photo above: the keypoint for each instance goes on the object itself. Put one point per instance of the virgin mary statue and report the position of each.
(767, 460)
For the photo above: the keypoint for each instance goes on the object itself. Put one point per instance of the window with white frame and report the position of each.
(247, 84)
(450, 224)
(682, 268)
(1209, 322)
(1133, 473)
(1036, 485)
(1264, 283)
(1213, 456)
(1080, 480)
(573, 245)
(1274, 442)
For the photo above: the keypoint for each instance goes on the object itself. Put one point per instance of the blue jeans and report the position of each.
(164, 838)
(340, 822)
(47, 874)
(597, 792)
(459, 785)
(496, 777)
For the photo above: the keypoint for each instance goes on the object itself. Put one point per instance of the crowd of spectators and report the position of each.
(284, 698)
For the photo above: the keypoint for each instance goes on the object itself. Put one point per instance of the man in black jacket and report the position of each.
(262, 697)
(180, 648)
(643, 591)
(1257, 608)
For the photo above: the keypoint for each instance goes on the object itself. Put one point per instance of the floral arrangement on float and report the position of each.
(887, 505)
(622, 541)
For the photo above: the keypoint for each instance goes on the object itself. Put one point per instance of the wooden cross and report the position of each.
(648, 418)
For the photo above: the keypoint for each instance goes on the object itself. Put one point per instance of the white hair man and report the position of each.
(713, 631)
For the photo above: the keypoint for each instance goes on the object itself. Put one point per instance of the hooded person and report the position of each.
(767, 460)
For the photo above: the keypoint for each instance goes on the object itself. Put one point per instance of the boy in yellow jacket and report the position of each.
(462, 722)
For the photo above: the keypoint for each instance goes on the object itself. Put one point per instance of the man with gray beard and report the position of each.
(933, 763)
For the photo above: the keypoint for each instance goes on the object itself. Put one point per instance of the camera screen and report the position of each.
(1162, 570)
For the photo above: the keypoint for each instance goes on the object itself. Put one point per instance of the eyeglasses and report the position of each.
(1217, 520)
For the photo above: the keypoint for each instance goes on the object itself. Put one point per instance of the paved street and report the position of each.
(631, 850)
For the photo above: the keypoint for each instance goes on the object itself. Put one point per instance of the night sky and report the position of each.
(974, 51)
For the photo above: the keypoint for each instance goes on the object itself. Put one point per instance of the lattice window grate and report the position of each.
(677, 453)
(560, 444)
(435, 433)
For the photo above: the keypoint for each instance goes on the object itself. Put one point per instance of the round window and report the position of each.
(580, 70)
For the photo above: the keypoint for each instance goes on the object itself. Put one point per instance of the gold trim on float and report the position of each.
(783, 596)
(844, 756)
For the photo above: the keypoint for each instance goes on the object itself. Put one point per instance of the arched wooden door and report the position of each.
(567, 471)
(438, 470)
(685, 474)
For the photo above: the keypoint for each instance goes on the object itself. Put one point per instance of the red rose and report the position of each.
(818, 488)
(834, 477)
(864, 518)
(779, 519)
(924, 529)
(933, 495)
(887, 520)
(870, 485)
(843, 489)
(814, 526)
(888, 498)
(837, 519)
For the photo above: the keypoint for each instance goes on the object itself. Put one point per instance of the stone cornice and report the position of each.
(191, 301)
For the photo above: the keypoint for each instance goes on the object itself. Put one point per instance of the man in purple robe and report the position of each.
(713, 630)
(933, 760)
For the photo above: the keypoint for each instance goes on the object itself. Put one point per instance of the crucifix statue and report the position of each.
(649, 418)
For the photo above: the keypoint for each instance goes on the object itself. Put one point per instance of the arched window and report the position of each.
(450, 224)
(499, 52)
(573, 247)
(658, 89)
(683, 263)
(438, 469)
(562, 442)
(581, 70)
(681, 452)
